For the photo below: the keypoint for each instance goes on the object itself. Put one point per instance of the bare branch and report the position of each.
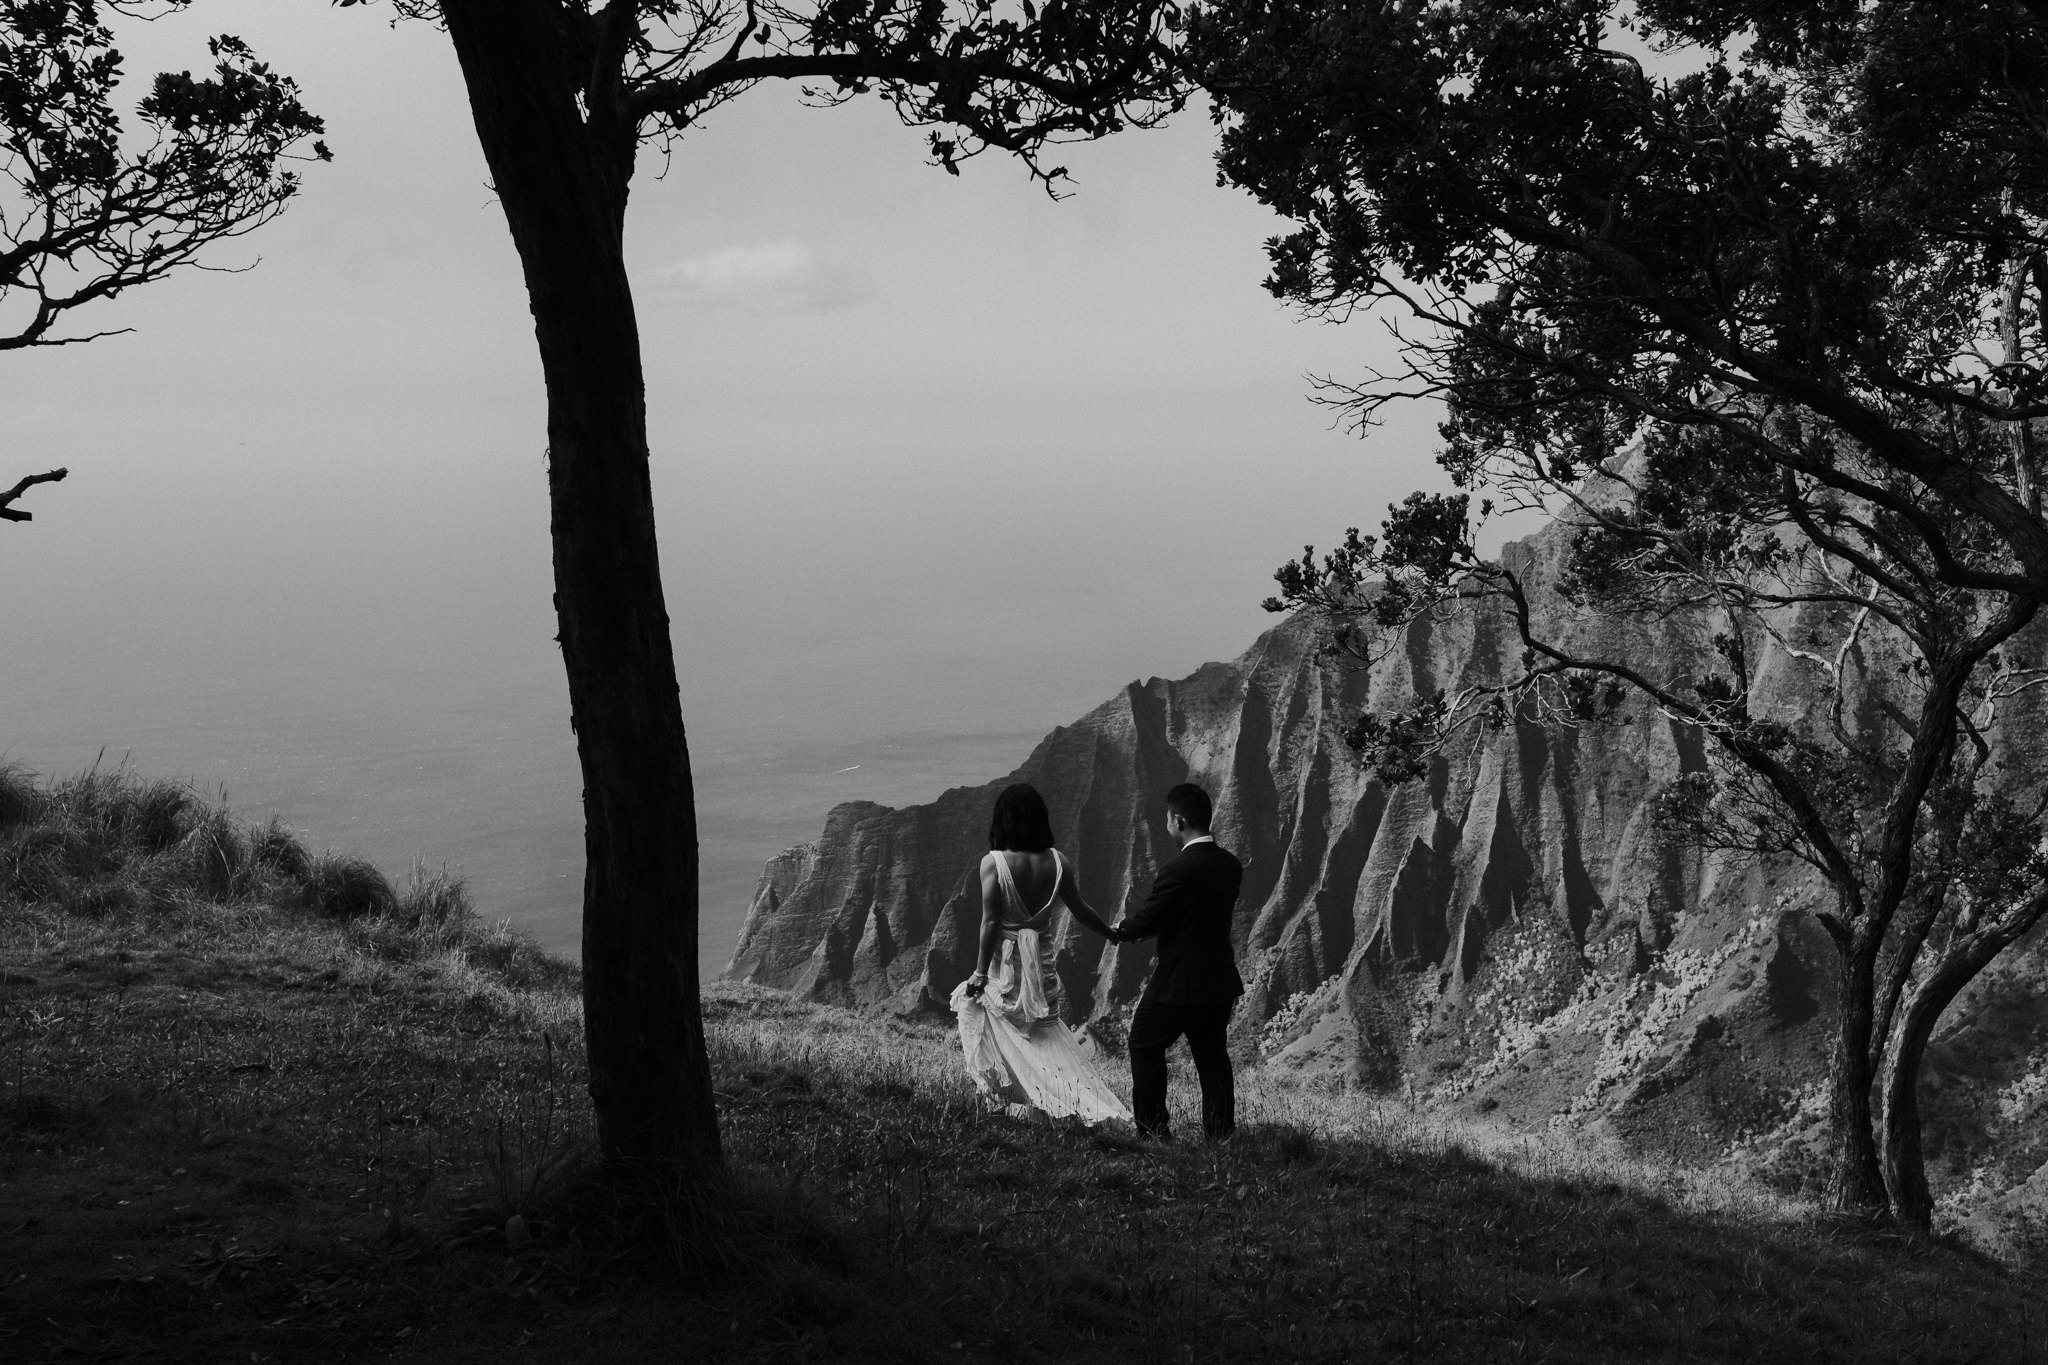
(8, 511)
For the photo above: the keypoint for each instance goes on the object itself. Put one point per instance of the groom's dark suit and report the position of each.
(1192, 989)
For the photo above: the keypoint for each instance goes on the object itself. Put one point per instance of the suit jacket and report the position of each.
(1189, 909)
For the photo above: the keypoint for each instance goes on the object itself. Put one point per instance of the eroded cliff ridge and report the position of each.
(1511, 934)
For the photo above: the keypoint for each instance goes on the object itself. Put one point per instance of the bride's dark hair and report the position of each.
(1020, 821)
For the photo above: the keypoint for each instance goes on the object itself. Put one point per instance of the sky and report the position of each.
(931, 453)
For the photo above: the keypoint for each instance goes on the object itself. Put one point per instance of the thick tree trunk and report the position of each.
(562, 182)
(1904, 1165)
(1855, 1184)
(1905, 1169)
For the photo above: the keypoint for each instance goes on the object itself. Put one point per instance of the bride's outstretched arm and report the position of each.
(1070, 892)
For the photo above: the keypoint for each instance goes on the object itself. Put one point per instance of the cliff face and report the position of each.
(1510, 933)
(1345, 882)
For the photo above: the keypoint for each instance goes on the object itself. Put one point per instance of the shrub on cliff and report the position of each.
(106, 840)
(106, 844)
(344, 887)
(275, 846)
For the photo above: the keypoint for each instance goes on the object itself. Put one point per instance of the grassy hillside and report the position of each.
(257, 1105)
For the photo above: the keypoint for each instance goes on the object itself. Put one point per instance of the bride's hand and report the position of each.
(976, 982)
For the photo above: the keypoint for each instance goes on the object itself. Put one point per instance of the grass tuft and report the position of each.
(276, 848)
(435, 901)
(105, 842)
(213, 855)
(154, 817)
(341, 886)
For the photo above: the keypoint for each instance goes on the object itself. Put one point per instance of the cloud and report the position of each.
(781, 276)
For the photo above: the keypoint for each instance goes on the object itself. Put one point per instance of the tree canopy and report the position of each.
(1753, 296)
(88, 211)
(1836, 207)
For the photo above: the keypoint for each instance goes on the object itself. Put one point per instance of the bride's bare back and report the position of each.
(1036, 874)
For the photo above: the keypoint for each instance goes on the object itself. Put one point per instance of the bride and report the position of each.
(1017, 1052)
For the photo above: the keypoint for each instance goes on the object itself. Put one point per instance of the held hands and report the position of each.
(976, 982)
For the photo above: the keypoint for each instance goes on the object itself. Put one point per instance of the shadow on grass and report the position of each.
(218, 1160)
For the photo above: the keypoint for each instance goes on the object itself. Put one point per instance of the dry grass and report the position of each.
(253, 1128)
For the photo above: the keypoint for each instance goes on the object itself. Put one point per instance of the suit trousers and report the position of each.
(1155, 1028)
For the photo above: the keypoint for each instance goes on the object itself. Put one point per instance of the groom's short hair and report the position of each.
(1191, 804)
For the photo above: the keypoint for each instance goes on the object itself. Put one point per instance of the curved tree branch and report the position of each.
(8, 511)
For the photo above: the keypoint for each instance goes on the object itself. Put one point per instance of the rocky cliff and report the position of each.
(1511, 934)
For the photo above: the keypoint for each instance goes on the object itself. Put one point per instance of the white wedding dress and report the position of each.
(1017, 1052)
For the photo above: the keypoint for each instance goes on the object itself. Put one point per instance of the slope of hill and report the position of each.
(256, 1105)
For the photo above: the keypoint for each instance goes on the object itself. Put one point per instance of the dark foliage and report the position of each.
(1755, 296)
(347, 888)
(87, 210)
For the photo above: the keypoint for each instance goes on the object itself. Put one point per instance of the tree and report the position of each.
(564, 93)
(84, 217)
(1772, 274)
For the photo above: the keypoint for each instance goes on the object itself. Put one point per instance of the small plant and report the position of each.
(435, 900)
(344, 887)
(156, 816)
(213, 856)
(276, 848)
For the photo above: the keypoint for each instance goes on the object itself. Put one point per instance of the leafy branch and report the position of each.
(84, 217)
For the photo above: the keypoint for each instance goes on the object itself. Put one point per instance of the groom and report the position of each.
(1195, 983)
